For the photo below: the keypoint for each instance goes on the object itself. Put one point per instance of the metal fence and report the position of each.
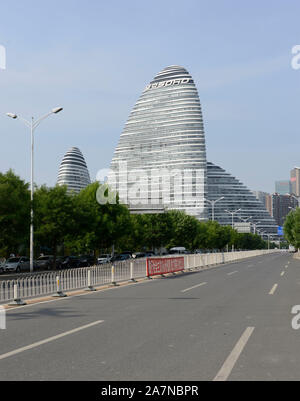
(56, 282)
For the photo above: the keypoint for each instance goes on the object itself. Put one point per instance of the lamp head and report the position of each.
(57, 110)
(12, 115)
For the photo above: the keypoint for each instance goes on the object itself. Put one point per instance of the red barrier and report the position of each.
(157, 266)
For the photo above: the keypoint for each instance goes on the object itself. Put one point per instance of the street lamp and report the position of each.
(245, 220)
(255, 224)
(32, 125)
(233, 213)
(213, 202)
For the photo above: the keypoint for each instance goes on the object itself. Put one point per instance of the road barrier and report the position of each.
(161, 266)
(59, 282)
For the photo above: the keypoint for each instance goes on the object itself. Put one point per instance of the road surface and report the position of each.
(232, 322)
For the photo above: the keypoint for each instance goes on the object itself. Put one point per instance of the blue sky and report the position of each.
(94, 58)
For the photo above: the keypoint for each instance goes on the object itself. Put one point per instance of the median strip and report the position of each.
(228, 365)
(195, 286)
(47, 340)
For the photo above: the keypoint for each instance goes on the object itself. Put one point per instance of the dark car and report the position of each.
(86, 261)
(70, 262)
(139, 255)
(45, 262)
(149, 254)
(121, 257)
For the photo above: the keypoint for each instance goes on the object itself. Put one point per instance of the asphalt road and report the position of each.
(227, 323)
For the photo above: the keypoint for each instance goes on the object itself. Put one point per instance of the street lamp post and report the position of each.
(255, 224)
(232, 214)
(32, 125)
(213, 202)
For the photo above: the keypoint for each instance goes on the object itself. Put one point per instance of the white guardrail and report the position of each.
(57, 282)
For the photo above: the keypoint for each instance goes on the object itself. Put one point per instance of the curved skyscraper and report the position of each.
(73, 171)
(160, 161)
(236, 196)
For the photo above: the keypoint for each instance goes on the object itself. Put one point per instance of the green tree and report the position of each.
(98, 225)
(54, 216)
(14, 213)
(292, 228)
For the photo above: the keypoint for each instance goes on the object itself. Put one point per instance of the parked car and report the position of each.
(121, 257)
(45, 262)
(105, 258)
(177, 250)
(86, 261)
(16, 265)
(70, 262)
(138, 255)
(149, 254)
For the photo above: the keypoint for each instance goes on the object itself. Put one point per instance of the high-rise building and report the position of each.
(281, 206)
(160, 161)
(265, 198)
(73, 171)
(295, 181)
(283, 187)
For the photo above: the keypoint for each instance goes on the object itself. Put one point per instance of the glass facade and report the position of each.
(73, 171)
(161, 157)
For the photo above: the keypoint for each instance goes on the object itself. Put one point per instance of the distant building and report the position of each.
(283, 187)
(73, 171)
(269, 204)
(295, 181)
(281, 207)
(265, 199)
(236, 196)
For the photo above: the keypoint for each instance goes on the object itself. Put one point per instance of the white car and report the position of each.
(106, 258)
(16, 265)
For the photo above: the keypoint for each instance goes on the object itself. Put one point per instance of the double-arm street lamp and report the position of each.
(232, 214)
(32, 125)
(213, 202)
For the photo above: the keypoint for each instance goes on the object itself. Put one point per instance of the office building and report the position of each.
(160, 161)
(283, 187)
(281, 206)
(73, 171)
(295, 181)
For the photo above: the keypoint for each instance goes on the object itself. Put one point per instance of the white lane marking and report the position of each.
(286, 266)
(229, 274)
(250, 265)
(228, 365)
(282, 273)
(195, 286)
(273, 289)
(47, 340)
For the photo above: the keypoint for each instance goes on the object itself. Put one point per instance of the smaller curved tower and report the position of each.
(73, 171)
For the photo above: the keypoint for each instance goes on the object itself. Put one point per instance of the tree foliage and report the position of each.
(292, 228)
(83, 224)
(14, 213)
